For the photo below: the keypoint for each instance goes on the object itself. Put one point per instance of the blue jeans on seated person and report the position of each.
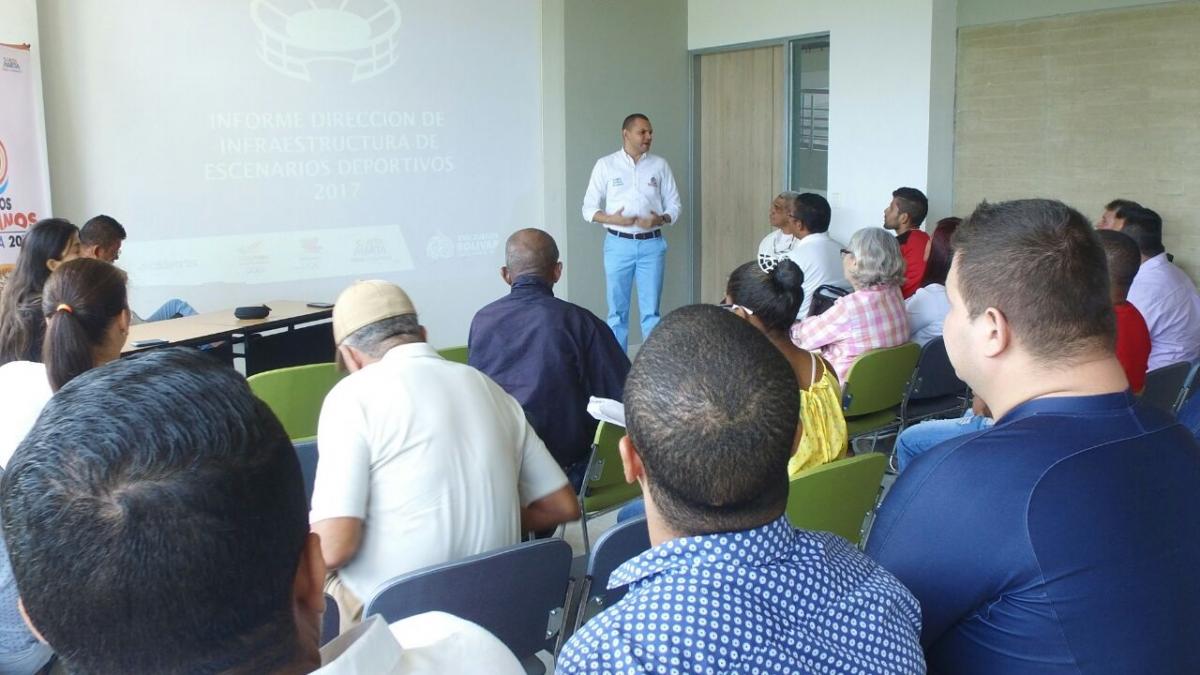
(925, 436)
(634, 509)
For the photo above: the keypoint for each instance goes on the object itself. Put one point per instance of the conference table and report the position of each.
(286, 317)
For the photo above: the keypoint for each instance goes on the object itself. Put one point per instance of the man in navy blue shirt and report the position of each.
(547, 353)
(1065, 538)
(729, 585)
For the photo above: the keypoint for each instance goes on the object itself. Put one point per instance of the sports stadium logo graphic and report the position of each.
(3, 168)
(295, 35)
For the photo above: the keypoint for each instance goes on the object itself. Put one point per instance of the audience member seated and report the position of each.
(767, 301)
(87, 322)
(802, 235)
(549, 354)
(1133, 338)
(1163, 293)
(1032, 546)
(1132, 350)
(928, 306)
(49, 243)
(423, 460)
(873, 316)
(1112, 219)
(101, 238)
(172, 537)
(905, 214)
(728, 585)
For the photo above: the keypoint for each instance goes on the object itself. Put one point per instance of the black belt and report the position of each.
(645, 235)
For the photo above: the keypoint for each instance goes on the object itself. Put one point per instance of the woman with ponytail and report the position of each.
(84, 309)
(769, 301)
(49, 243)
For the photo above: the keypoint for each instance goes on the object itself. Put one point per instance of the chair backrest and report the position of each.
(619, 544)
(878, 379)
(295, 394)
(1165, 385)
(604, 485)
(330, 621)
(306, 452)
(934, 376)
(455, 354)
(518, 593)
(836, 497)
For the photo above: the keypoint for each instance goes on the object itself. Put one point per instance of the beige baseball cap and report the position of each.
(366, 302)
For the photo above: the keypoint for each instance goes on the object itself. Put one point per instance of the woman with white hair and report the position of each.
(873, 316)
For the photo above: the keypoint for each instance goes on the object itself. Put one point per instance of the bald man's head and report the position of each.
(531, 251)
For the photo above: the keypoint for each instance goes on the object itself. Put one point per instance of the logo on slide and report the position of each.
(3, 168)
(12, 65)
(295, 35)
(440, 247)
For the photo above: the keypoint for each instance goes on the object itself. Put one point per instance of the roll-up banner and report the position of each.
(24, 196)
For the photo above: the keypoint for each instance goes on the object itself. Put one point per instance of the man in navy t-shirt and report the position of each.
(1064, 539)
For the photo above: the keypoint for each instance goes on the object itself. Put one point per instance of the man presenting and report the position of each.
(632, 194)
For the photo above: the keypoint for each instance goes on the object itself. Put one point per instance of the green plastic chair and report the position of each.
(295, 395)
(604, 486)
(455, 354)
(874, 388)
(837, 497)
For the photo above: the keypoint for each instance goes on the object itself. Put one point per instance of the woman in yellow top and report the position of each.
(769, 300)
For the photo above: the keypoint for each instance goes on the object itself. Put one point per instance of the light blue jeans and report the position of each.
(627, 260)
(924, 436)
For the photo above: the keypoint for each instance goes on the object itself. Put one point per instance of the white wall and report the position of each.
(881, 86)
(19, 25)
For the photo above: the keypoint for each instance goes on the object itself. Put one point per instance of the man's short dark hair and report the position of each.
(1122, 255)
(1144, 226)
(629, 120)
(811, 209)
(1038, 262)
(1118, 204)
(712, 408)
(913, 202)
(101, 231)
(155, 518)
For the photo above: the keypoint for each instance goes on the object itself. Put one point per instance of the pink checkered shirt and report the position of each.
(871, 318)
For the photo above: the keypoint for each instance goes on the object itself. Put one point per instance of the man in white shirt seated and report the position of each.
(1163, 293)
(801, 222)
(156, 521)
(423, 461)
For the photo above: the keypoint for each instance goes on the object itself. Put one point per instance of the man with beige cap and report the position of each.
(422, 460)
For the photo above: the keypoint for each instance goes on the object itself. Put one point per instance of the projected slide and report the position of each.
(281, 148)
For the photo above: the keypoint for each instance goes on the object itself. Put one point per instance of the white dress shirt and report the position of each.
(817, 255)
(433, 456)
(639, 187)
(1168, 301)
(433, 643)
(927, 309)
(30, 390)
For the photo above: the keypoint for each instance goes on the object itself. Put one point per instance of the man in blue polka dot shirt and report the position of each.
(728, 585)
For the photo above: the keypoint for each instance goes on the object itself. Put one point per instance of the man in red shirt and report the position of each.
(1133, 338)
(905, 214)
